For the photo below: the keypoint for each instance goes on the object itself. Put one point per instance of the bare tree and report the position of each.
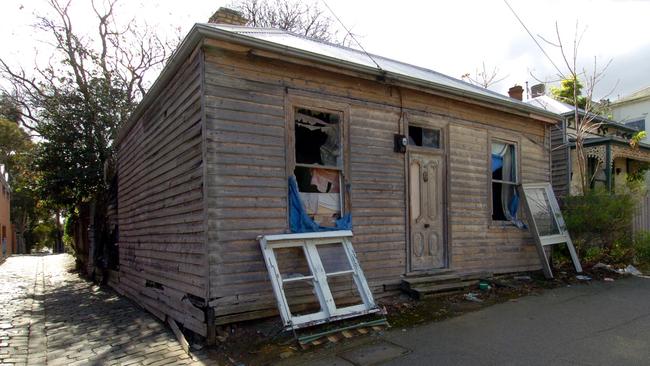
(124, 58)
(301, 17)
(582, 94)
(77, 101)
(484, 78)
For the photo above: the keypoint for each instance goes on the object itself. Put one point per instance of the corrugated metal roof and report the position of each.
(555, 106)
(358, 57)
(550, 104)
(294, 45)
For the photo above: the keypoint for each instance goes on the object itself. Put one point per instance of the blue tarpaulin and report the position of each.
(497, 162)
(300, 222)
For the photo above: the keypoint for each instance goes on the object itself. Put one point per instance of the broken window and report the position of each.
(505, 200)
(316, 277)
(425, 137)
(319, 164)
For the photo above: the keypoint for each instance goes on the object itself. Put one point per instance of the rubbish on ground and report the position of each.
(604, 266)
(632, 270)
(523, 278)
(608, 279)
(583, 278)
(484, 286)
(472, 297)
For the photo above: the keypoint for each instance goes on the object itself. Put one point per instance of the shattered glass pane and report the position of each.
(317, 138)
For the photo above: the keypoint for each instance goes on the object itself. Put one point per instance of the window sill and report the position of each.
(502, 225)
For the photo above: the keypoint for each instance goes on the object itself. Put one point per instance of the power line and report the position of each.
(351, 35)
(533, 37)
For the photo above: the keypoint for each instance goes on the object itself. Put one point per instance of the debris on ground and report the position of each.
(632, 270)
(245, 344)
(583, 278)
(472, 297)
(604, 266)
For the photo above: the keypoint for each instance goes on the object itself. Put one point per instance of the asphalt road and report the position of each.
(597, 324)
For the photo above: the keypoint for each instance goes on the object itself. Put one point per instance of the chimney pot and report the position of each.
(228, 16)
(516, 92)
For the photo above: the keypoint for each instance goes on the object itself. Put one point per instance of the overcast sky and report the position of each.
(452, 37)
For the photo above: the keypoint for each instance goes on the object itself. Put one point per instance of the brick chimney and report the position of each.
(537, 90)
(228, 16)
(516, 92)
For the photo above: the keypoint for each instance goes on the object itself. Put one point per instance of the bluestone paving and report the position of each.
(51, 316)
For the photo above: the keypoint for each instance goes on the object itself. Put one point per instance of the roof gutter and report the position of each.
(200, 31)
(603, 120)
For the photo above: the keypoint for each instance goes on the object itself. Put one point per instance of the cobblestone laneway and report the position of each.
(50, 316)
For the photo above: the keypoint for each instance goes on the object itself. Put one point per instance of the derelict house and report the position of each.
(420, 167)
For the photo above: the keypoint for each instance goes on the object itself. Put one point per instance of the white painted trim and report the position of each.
(309, 242)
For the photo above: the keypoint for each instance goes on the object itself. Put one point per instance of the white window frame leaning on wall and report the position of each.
(546, 206)
(318, 276)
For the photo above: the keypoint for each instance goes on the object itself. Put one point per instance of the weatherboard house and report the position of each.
(420, 167)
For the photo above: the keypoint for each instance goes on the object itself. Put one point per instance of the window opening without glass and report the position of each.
(316, 277)
(319, 164)
(424, 137)
(546, 223)
(505, 200)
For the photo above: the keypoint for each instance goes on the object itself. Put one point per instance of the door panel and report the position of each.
(427, 243)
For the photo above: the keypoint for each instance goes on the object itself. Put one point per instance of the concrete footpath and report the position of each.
(50, 316)
(599, 323)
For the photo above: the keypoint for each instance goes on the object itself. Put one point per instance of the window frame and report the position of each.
(294, 102)
(546, 240)
(497, 138)
(309, 243)
(441, 134)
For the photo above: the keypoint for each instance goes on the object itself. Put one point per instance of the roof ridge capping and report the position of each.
(424, 77)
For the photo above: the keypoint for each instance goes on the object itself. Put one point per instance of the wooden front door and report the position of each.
(427, 244)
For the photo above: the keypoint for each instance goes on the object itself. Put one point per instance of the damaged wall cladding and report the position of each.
(203, 171)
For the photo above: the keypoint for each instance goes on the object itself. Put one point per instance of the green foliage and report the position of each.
(642, 249)
(44, 236)
(8, 109)
(564, 93)
(593, 254)
(13, 143)
(78, 132)
(68, 234)
(637, 175)
(599, 219)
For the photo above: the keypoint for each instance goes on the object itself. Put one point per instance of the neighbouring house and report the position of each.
(425, 165)
(7, 238)
(633, 110)
(610, 158)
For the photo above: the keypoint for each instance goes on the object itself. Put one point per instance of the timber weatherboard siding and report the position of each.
(203, 172)
(247, 102)
(560, 160)
(160, 199)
